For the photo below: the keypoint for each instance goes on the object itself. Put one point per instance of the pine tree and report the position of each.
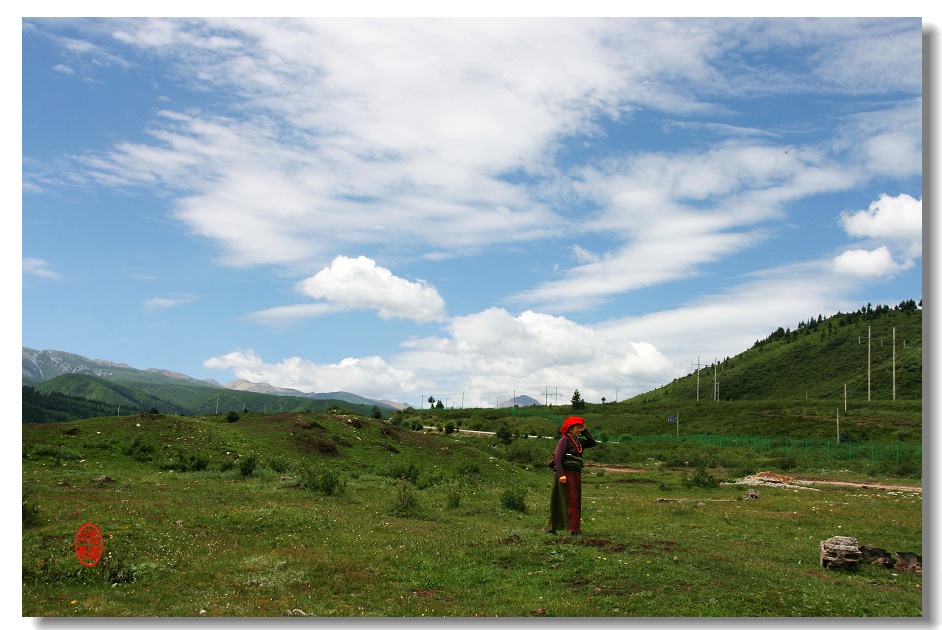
(577, 402)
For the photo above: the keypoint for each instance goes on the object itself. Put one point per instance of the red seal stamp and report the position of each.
(89, 544)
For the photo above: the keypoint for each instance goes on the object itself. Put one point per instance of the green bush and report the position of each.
(405, 500)
(140, 450)
(232, 417)
(514, 499)
(278, 465)
(247, 465)
(327, 482)
(700, 479)
(402, 470)
(453, 496)
(468, 473)
(186, 462)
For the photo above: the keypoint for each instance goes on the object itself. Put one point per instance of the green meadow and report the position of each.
(336, 515)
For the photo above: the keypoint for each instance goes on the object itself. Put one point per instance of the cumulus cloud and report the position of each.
(868, 263)
(367, 376)
(499, 352)
(715, 326)
(358, 283)
(897, 219)
(440, 138)
(39, 268)
(894, 221)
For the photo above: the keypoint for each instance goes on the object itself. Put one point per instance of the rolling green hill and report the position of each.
(875, 352)
(77, 396)
(801, 374)
(790, 384)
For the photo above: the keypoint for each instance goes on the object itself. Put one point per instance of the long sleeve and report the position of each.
(560, 456)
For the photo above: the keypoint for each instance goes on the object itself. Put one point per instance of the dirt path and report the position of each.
(850, 484)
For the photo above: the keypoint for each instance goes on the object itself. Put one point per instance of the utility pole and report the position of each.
(716, 383)
(698, 365)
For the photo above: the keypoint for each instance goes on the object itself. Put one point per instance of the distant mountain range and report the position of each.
(519, 401)
(874, 353)
(42, 367)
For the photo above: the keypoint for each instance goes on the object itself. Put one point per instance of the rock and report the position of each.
(840, 552)
(907, 561)
(751, 495)
(875, 555)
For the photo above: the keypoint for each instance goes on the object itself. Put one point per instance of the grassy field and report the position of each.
(320, 515)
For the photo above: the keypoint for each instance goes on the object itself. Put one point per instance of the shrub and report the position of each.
(514, 499)
(140, 450)
(405, 501)
(186, 462)
(453, 497)
(232, 417)
(328, 482)
(430, 479)
(700, 479)
(468, 473)
(278, 465)
(402, 470)
(247, 465)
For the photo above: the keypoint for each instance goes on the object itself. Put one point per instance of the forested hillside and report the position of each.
(876, 352)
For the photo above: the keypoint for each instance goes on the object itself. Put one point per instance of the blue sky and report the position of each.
(462, 208)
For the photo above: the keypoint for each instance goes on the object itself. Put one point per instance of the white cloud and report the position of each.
(39, 268)
(868, 263)
(438, 138)
(367, 376)
(499, 352)
(358, 283)
(894, 226)
(897, 219)
(284, 315)
(156, 303)
(727, 323)
(353, 132)
(583, 255)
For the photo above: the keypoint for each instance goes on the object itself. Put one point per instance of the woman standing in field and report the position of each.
(566, 495)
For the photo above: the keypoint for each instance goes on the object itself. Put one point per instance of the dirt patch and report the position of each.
(775, 479)
(615, 468)
(877, 485)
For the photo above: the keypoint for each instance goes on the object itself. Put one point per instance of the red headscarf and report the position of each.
(571, 420)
